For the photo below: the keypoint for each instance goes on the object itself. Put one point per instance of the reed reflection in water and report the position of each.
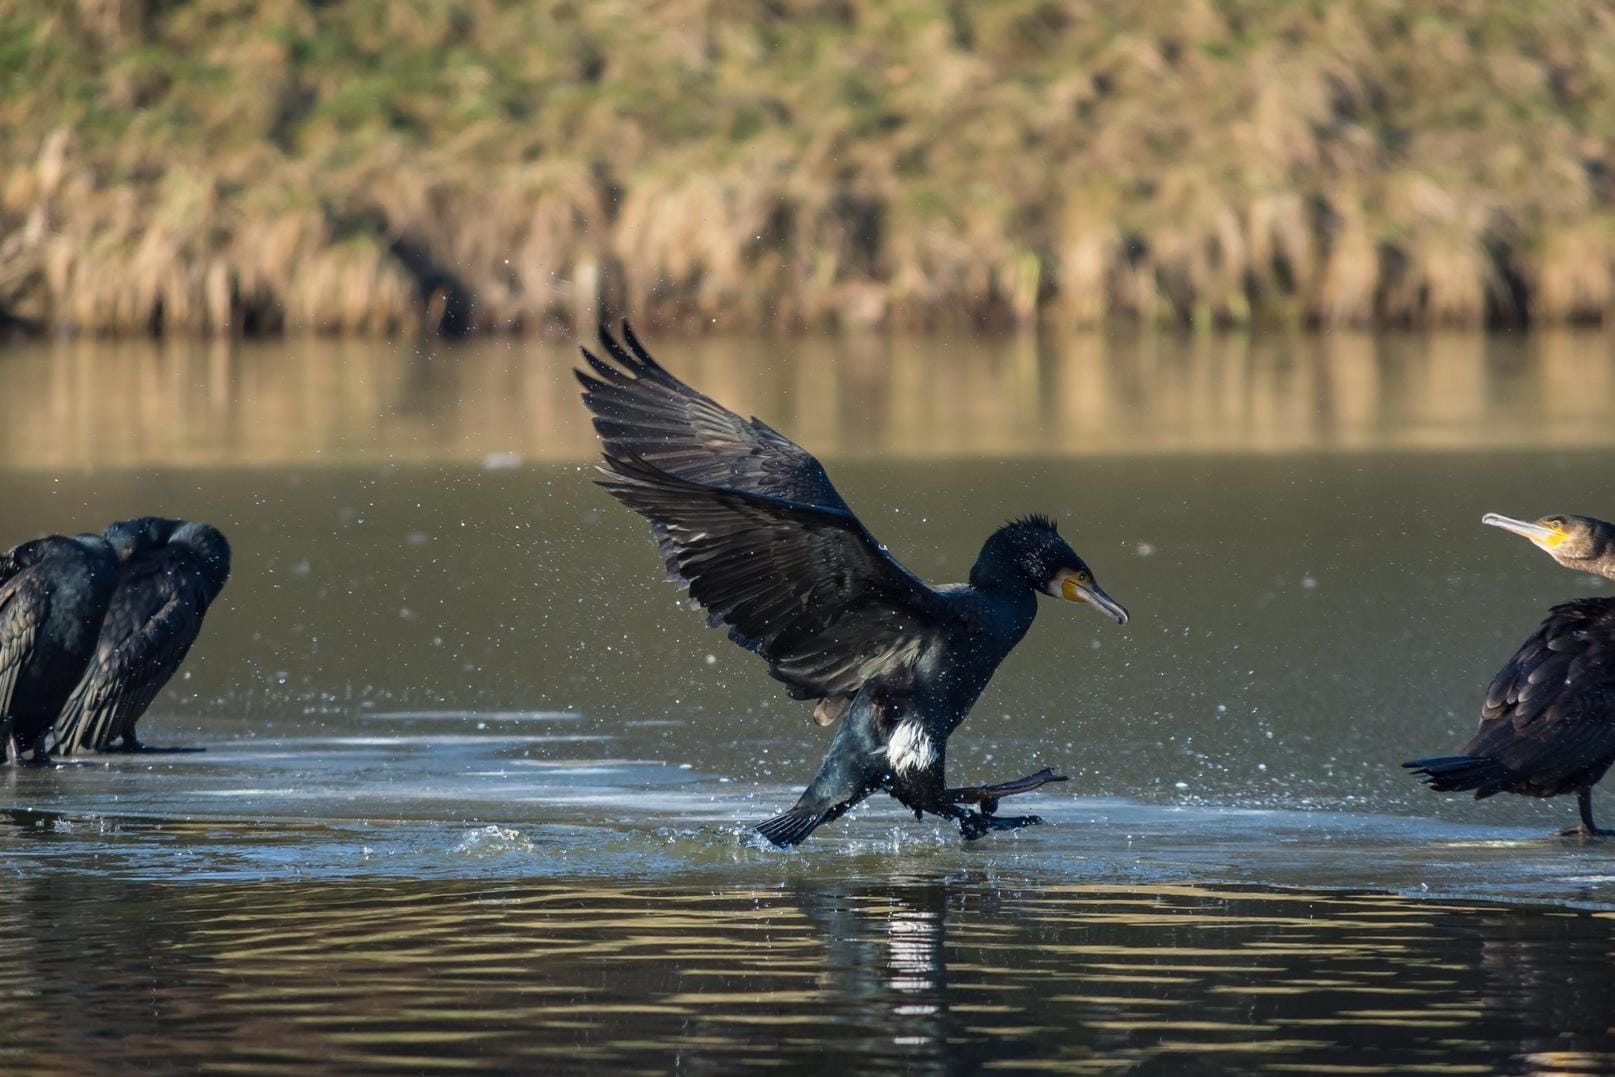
(93, 404)
(924, 974)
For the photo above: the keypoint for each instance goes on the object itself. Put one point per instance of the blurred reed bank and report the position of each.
(368, 167)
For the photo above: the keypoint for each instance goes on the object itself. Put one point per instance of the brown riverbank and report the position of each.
(367, 167)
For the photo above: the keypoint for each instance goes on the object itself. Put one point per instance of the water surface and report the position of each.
(476, 785)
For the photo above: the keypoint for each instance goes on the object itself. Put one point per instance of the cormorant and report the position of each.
(748, 521)
(53, 596)
(1548, 724)
(169, 572)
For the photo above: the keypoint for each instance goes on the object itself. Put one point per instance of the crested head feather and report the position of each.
(1026, 552)
(1035, 519)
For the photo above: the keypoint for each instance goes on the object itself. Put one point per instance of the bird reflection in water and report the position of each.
(1547, 993)
(887, 947)
(890, 948)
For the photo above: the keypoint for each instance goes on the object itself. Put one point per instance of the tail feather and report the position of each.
(791, 827)
(1457, 773)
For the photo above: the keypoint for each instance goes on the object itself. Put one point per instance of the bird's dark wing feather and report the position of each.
(24, 605)
(155, 616)
(13, 561)
(641, 411)
(805, 586)
(1549, 715)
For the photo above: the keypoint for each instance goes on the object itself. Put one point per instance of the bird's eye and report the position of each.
(1084, 577)
(1555, 524)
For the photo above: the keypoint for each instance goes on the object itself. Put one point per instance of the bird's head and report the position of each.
(211, 549)
(206, 543)
(1578, 542)
(95, 545)
(1031, 553)
(129, 537)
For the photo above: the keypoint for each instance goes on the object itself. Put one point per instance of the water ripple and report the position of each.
(920, 975)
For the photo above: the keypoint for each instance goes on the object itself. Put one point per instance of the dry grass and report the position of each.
(214, 166)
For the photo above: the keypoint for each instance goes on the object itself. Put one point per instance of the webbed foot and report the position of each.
(975, 824)
(1583, 832)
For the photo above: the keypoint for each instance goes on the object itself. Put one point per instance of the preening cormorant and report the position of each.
(749, 522)
(169, 573)
(1548, 724)
(53, 596)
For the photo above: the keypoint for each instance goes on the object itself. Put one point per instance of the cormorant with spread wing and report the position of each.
(170, 571)
(749, 522)
(53, 596)
(1548, 724)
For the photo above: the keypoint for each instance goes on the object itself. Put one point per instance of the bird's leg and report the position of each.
(1587, 829)
(988, 796)
(39, 757)
(973, 824)
(926, 791)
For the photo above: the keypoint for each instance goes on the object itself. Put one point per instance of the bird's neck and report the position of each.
(1012, 605)
(1004, 583)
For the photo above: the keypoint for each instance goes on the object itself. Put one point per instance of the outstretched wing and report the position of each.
(804, 585)
(155, 616)
(643, 412)
(1550, 711)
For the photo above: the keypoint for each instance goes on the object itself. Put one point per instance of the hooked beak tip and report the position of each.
(1092, 594)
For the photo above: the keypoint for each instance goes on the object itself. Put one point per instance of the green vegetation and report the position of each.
(380, 165)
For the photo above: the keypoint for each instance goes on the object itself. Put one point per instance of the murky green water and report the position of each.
(476, 785)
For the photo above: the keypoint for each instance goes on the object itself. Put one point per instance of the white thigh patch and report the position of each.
(910, 748)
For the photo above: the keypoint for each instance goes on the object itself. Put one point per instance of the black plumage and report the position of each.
(1548, 724)
(749, 522)
(53, 597)
(170, 571)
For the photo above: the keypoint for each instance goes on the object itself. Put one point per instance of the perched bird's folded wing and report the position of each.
(12, 562)
(24, 605)
(641, 411)
(1551, 708)
(141, 646)
(803, 585)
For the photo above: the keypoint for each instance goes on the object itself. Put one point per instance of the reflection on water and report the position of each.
(89, 403)
(916, 975)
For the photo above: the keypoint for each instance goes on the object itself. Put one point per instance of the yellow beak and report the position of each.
(1067, 586)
